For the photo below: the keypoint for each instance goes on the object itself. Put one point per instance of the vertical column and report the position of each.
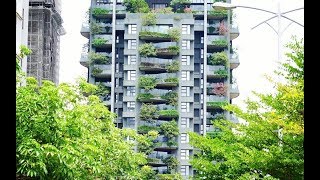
(205, 22)
(113, 54)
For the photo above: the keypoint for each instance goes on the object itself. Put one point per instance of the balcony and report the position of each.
(152, 33)
(128, 114)
(167, 49)
(168, 114)
(234, 61)
(219, 88)
(161, 144)
(101, 71)
(216, 72)
(234, 91)
(156, 159)
(234, 32)
(102, 41)
(217, 14)
(153, 65)
(85, 30)
(217, 42)
(216, 102)
(106, 100)
(84, 60)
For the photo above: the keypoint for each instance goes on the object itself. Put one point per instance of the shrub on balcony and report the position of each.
(179, 5)
(218, 13)
(220, 43)
(95, 28)
(100, 11)
(136, 6)
(148, 145)
(96, 58)
(171, 97)
(148, 112)
(145, 129)
(170, 130)
(96, 71)
(172, 163)
(102, 90)
(144, 96)
(174, 66)
(174, 49)
(153, 34)
(174, 33)
(218, 104)
(147, 82)
(99, 42)
(172, 80)
(149, 19)
(169, 113)
(220, 58)
(176, 176)
(221, 73)
(147, 50)
(167, 10)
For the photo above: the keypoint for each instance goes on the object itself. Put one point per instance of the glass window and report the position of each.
(185, 60)
(185, 29)
(185, 75)
(202, 39)
(185, 91)
(185, 122)
(131, 106)
(132, 28)
(184, 138)
(184, 154)
(184, 170)
(159, 5)
(131, 75)
(185, 107)
(202, 53)
(185, 44)
(131, 91)
(132, 59)
(132, 44)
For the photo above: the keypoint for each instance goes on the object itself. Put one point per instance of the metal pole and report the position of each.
(279, 31)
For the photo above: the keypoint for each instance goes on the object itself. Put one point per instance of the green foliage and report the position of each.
(97, 58)
(218, 13)
(148, 112)
(170, 129)
(96, 71)
(220, 58)
(136, 6)
(221, 73)
(144, 96)
(271, 144)
(99, 42)
(169, 112)
(147, 146)
(149, 19)
(172, 80)
(171, 97)
(24, 51)
(176, 176)
(147, 82)
(61, 134)
(102, 90)
(174, 33)
(174, 49)
(174, 66)
(167, 10)
(172, 163)
(217, 104)
(147, 173)
(220, 43)
(95, 28)
(153, 34)
(147, 50)
(86, 88)
(145, 129)
(179, 5)
(100, 11)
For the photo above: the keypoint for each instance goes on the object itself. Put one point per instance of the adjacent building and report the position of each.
(44, 31)
(154, 79)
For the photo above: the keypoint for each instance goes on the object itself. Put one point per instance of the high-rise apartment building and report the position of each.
(22, 10)
(157, 80)
(44, 31)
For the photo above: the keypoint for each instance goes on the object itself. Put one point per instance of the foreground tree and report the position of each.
(270, 144)
(62, 134)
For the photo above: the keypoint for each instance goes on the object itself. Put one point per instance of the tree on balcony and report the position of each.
(221, 73)
(147, 50)
(171, 131)
(147, 82)
(99, 42)
(148, 112)
(97, 58)
(172, 163)
(222, 43)
(174, 33)
(100, 11)
(219, 58)
(174, 66)
(149, 19)
(217, 104)
(96, 71)
(136, 6)
(171, 97)
(169, 113)
(172, 80)
(179, 5)
(95, 28)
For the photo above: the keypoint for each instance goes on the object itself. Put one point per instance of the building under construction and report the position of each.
(44, 31)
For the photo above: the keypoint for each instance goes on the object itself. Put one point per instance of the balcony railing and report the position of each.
(234, 32)
(84, 60)
(217, 42)
(85, 30)
(234, 91)
(234, 60)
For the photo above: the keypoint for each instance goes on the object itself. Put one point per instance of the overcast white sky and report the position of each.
(257, 48)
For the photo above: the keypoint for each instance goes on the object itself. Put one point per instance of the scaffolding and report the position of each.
(44, 30)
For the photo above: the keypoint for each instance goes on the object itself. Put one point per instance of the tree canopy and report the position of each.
(270, 144)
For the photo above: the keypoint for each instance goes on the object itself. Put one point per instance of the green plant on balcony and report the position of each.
(147, 50)
(99, 42)
(100, 11)
(220, 43)
(174, 49)
(176, 176)
(153, 34)
(221, 73)
(145, 129)
(172, 163)
(220, 58)
(147, 146)
(167, 10)
(174, 66)
(147, 82)
(212, 29)
(170, 130)
(171, 97)
(95, 28)
(96, 58)
(169, 113)
(136, 6)
(145, 96)
(218, 104)
(179, 5)
(153, 160)
(102, 90)
(148, 112)
(174, 33)
(218, 13)
(172, 80)
(96, 71)
(149, 19)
